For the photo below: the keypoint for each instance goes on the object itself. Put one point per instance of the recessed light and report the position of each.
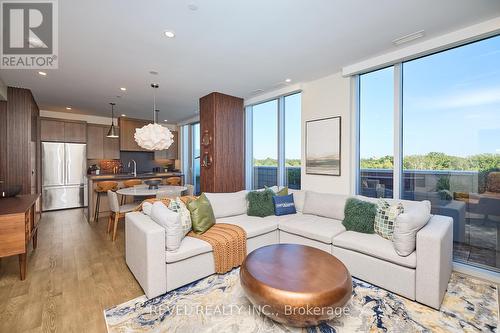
(124, 115)
(193, 7)
(68, 108)
(169, 33)
(165, 120)
(409, 38)
(153, 72)
(42, 73)
(288, 80)
(123, 89)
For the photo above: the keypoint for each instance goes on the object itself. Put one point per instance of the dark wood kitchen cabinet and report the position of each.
(127, 131)
(57, 130)
(222, 128)
(20, 158)
(99, 146)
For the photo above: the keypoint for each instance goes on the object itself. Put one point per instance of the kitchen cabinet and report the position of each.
(52, 130)
(75, 132)
(58, 130)
(99, 146)
(127, 131)
(172, 153)
(20, 141)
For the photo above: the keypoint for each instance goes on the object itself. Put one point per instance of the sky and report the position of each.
(451, 104)
(265, 128)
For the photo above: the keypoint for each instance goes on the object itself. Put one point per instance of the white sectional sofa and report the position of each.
(422, 276)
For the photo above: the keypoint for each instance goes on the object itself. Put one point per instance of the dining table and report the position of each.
(164, 191)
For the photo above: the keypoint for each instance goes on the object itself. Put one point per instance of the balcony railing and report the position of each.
(268, 176)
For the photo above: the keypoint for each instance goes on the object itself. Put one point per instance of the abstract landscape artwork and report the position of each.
(323, 146)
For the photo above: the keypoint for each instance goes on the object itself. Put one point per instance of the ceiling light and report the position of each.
(193, 7)
(112, 133)
(288, 80)
(124, 115)
(169, 33)
(123, 89)
(409, 38)
(42, 73)
(68, 108)
(153, 72)
(154, 136)
(165, 120)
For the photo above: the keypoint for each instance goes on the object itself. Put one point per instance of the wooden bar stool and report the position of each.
(103, 187)
(173, 181)
(129, 183)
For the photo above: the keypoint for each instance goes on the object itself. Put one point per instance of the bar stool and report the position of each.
(173, 181)
(103, 187)
(129, 183)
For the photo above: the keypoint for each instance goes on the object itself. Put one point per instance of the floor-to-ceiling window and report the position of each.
(376, 149)
(274, 142)
(195, 156)
(293, 137)
(449, 142)
(265, 144)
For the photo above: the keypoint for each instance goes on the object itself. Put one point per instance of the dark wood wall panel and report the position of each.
(3, 141)
(223, 116)
(19, 117)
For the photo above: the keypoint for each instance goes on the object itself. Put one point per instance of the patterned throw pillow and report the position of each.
(386, 217)
(179, 207)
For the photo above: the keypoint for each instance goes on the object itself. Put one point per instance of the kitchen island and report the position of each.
(119, 178)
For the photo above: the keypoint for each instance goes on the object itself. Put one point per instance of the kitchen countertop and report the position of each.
(130, 176)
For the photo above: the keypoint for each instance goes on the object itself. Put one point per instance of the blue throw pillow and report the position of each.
(284, 205)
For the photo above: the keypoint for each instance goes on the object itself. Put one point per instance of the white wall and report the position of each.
(328, 97)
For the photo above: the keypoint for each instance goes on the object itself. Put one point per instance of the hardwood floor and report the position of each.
(74, 274)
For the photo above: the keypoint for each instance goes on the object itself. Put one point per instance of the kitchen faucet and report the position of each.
(135, 167)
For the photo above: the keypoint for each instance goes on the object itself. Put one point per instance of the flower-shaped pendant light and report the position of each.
(154, 136)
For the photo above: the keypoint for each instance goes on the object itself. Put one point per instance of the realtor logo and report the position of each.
(29, 35)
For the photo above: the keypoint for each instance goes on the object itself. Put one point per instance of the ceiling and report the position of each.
(235, 47)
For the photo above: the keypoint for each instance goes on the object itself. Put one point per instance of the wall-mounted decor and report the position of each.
(323, 146)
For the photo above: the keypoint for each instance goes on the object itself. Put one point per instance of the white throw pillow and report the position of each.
(179, 207)
(171, 221)
(146, 208)
(415, 217)
(325, 204)
(228, 204)
(298, 199)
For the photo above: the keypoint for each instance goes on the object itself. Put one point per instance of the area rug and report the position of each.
(218, 304)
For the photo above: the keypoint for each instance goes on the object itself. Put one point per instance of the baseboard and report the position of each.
(480, 273)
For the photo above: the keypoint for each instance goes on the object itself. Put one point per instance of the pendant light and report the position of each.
(154, 136)
(112, 133)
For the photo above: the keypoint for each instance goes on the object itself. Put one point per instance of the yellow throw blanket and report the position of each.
(229, 243)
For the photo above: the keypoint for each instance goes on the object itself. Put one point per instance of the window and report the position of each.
(274, 142)
(265, 144)
(191, 154)
(448, 141)
(293, 137)
(376, 104)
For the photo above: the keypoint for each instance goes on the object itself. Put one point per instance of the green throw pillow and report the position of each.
(202, 214)
(359, 215)
(260, 203)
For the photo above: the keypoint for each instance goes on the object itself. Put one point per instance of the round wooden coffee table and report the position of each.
(296, 285)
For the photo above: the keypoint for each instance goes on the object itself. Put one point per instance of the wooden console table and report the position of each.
(18, 225)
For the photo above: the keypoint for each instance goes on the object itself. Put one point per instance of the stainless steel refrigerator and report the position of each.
(64, 180)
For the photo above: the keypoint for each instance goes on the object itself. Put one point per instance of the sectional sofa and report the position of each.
(421, 276)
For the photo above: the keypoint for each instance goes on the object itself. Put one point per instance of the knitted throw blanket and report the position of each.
(229, 243)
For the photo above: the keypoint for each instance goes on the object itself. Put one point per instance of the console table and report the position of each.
(18, 225)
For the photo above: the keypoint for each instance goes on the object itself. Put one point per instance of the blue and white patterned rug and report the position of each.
(218, 304)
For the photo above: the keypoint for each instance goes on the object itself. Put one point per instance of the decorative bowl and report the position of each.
(10, 191)
(153, 183)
